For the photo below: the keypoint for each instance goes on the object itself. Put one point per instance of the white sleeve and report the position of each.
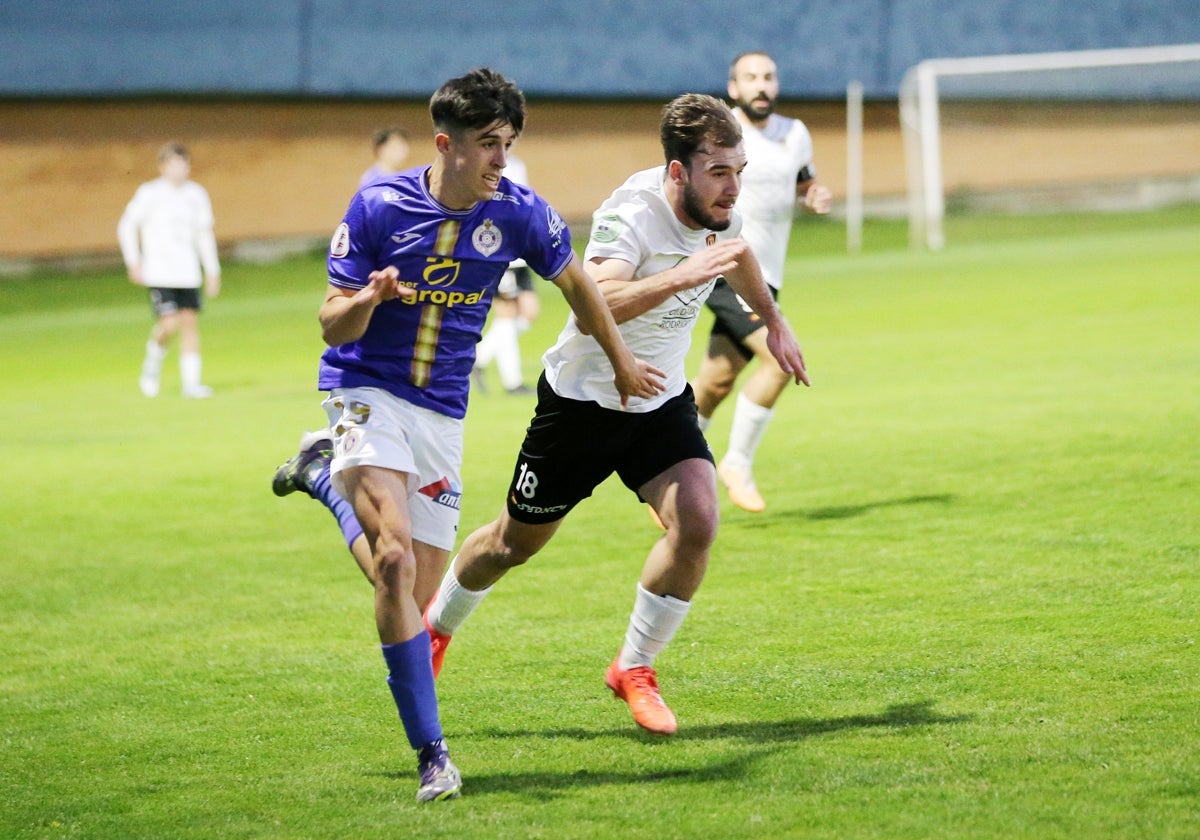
(129, 228)
(206, 240)
(614, 235)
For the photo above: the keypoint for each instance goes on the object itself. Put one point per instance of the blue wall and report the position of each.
(602, 48)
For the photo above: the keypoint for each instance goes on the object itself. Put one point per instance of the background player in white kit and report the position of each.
(657, 246)
(514, 309)
(166, 235)
(779, 170)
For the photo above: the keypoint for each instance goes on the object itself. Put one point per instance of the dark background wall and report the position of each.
(602, 48)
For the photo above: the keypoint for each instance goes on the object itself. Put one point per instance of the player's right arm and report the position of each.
(346, 313)
(129, 235)
(632, 376)
(628, 299)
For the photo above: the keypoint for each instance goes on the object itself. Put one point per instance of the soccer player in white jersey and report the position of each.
(166, 237)
(657, 247)
(779, 170)
(412, 270)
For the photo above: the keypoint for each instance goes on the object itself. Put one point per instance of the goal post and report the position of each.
(921, 95)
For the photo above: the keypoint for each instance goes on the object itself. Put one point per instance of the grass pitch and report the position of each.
(970, 609)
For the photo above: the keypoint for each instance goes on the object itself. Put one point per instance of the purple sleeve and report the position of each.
(548, 242)
(353, 251)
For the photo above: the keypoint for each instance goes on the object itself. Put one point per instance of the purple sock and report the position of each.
(410, 677)
(323, 492)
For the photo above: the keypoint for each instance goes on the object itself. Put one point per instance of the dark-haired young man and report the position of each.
(412, 270)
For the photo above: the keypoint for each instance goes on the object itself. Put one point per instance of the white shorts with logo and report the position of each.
(372, 427)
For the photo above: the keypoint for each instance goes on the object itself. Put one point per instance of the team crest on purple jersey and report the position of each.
(487, 238)
(422, 347)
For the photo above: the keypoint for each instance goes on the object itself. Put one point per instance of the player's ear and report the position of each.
(441, 141)
(677, 172)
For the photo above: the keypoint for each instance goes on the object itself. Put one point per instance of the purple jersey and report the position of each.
(423, 351)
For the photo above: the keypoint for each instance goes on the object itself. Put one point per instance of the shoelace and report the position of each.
(431, 761)
(643, 680)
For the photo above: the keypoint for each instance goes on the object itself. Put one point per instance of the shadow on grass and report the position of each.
(846, 511)
(759, 734)
(899, 716)
(547, 785)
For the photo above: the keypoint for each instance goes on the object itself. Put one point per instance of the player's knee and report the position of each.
(395, 568)
(696, 528)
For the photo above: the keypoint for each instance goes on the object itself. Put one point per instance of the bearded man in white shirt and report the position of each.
(779, 172)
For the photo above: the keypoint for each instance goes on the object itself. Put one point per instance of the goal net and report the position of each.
(1090, 129)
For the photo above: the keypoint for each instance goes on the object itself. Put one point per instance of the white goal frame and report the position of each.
(920, 122)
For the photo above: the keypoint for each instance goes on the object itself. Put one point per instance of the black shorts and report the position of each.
(524, 276)
(169, 301)
(522, 281)
(734, 318)
(571, 446)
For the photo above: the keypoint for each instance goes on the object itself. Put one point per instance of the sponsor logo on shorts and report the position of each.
(443, 492)
(535, 509)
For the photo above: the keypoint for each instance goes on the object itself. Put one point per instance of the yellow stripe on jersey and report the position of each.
(447, 238)
(425, 349)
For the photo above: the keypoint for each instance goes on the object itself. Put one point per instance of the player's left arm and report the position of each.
(815, 197)
(746, 279)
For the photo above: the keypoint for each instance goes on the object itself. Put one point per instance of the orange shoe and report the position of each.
(639, 688)
(739, 481)
(438, 642)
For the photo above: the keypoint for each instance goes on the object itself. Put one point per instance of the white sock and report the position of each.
(453, 604)
(750, 421)
(508, 352)
(189, 370)
(652, 624)
(155, 353)
(523, 324)
(704, 422)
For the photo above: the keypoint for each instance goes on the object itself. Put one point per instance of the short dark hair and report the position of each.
(384, 134)
(173, 149)
(733, 64)
(691, 120)
(480, 98)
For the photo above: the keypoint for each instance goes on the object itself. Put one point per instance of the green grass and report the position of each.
(969, 611)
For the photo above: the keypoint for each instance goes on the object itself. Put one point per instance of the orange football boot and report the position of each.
(743, 492)
(639, 688)
(438, 642)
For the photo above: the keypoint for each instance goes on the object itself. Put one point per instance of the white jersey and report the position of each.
(775, 155)
(636, 224)
(168, 229)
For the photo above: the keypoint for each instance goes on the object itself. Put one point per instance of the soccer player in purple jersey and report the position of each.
(412, 270)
